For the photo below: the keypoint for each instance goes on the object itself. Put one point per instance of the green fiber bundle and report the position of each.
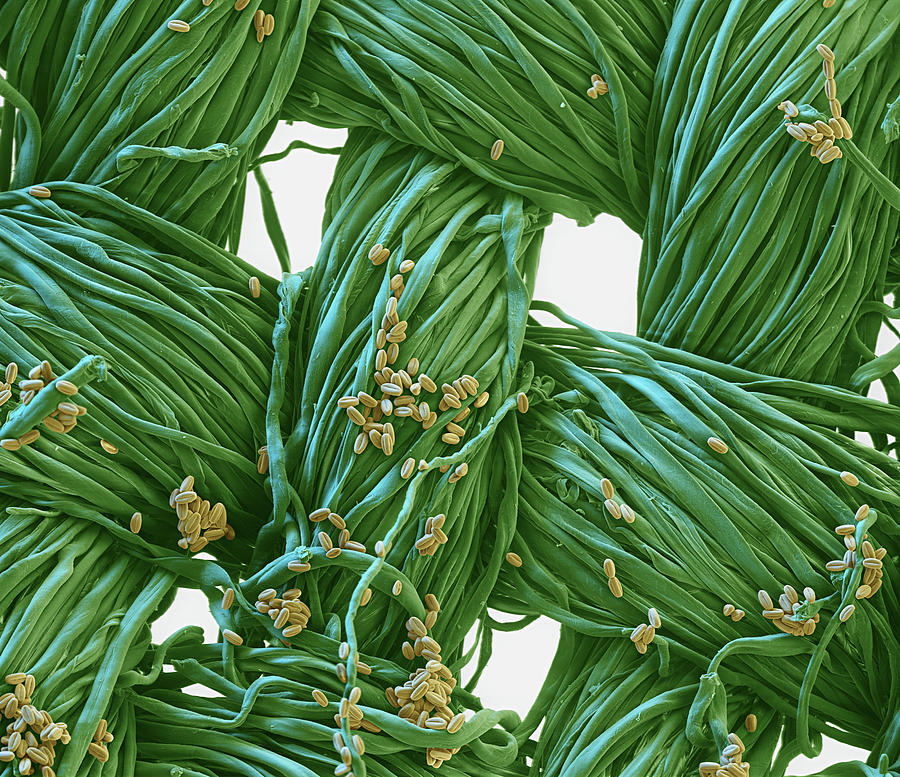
(465, 300)
(267, 723)
(711, 529)
(455, 77)
(76, 617)
(609, 711)
(754, 252)
(157, 329)
(167, 120)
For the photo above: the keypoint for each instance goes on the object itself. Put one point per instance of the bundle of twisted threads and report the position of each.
(355, 462)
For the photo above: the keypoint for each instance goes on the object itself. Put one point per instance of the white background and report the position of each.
(605, 255)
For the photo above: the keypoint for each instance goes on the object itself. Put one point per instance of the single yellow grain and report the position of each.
(717, 445)
(825, 52)
(615, 587)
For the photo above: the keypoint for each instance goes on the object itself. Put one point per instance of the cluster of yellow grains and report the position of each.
(424, 699)
(598, 88)
(730, 611)
(821, 135)
(433, 537)
(198, 522)
(615, 585)
(264, 24)
(32, 735)
(262, 460)
(784, 615)
(344, 542)
(12, 372)
(349, 707)
(615, 509)
(38, 377)
(731, 763)
(289, 613)
(344, 768)
(458, 473)
(62, 420)
(644, 633)
(102, 737)
(378, 254)
(872, 558)
(452, 396)
(401, 390)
